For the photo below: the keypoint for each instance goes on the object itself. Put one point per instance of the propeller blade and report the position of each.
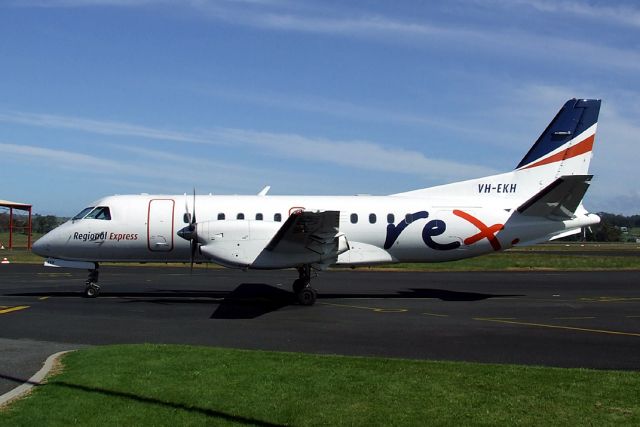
(194, 247)
(193, 218)
(190, 232)
(193, 226)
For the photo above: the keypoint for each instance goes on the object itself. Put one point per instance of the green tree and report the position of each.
(44, 224)
(607, 232)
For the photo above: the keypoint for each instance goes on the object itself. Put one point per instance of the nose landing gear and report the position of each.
(305, 294)
(92, 289)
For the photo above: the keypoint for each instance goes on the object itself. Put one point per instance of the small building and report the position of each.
(27, 229)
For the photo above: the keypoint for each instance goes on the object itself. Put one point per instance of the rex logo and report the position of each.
(436, 227)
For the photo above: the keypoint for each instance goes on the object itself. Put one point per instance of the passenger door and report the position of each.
(160, 225)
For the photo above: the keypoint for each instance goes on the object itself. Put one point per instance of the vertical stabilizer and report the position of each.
(567, 142)
(563, 149)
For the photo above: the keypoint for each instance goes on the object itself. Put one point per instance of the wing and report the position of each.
(308, 231)
(309, 237)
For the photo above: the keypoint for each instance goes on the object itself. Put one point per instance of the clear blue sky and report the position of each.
(101, 97)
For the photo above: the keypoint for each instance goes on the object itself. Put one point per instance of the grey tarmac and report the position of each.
(564, 319)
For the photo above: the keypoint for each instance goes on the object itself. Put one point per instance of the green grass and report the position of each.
(533, 259)
(19, 239)
(528, 261)
(578, 246)
(183, 385)
(23, 256)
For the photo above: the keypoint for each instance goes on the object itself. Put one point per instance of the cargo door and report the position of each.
(160, 225)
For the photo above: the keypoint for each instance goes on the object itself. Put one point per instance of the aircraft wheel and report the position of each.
(91, 291)
(299, 285)
(307, 296)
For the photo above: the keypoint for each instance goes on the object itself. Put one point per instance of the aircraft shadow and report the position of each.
(422, 293)
(252, 300)
(209, 413)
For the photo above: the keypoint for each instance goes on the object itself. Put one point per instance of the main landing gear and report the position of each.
(305, 294)
(92, 289)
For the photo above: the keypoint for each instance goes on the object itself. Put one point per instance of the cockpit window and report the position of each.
(101, 212)
(83, 213)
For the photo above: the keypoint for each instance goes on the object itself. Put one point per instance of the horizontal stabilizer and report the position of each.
(559, 200)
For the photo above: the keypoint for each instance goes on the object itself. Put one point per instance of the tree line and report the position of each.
(39, 223)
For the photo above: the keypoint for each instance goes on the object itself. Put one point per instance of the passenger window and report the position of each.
(277, 217)
(354, 218)
(186, 218)
(221, 216)
(240, 216)
(372, 218)
(101, 212)
(391, 218)
(82, 213)
(408, 218)
(258, 217)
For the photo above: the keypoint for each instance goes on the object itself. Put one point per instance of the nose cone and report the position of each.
(42, 246)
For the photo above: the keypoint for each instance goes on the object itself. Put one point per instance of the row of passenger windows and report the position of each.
(373, 218)
(259, 217)
(222, 216)
(391, 219)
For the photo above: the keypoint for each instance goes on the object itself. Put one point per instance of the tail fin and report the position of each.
(565, 145)
(563, 149)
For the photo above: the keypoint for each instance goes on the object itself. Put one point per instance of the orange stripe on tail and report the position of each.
(580, 148)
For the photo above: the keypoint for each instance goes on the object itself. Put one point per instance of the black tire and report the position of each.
(307, 296)
(91, 291)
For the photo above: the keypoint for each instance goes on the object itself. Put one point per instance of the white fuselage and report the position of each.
(143, 228)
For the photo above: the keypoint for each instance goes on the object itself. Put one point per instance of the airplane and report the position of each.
(540, 200)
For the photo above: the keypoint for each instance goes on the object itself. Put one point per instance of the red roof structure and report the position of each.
(12, 227)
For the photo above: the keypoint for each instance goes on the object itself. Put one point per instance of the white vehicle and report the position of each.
(540, 200)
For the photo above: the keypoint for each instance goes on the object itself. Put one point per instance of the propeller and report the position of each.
(190, 232)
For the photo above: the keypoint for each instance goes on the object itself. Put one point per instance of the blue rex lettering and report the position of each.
(393, 231)
(433, 228)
